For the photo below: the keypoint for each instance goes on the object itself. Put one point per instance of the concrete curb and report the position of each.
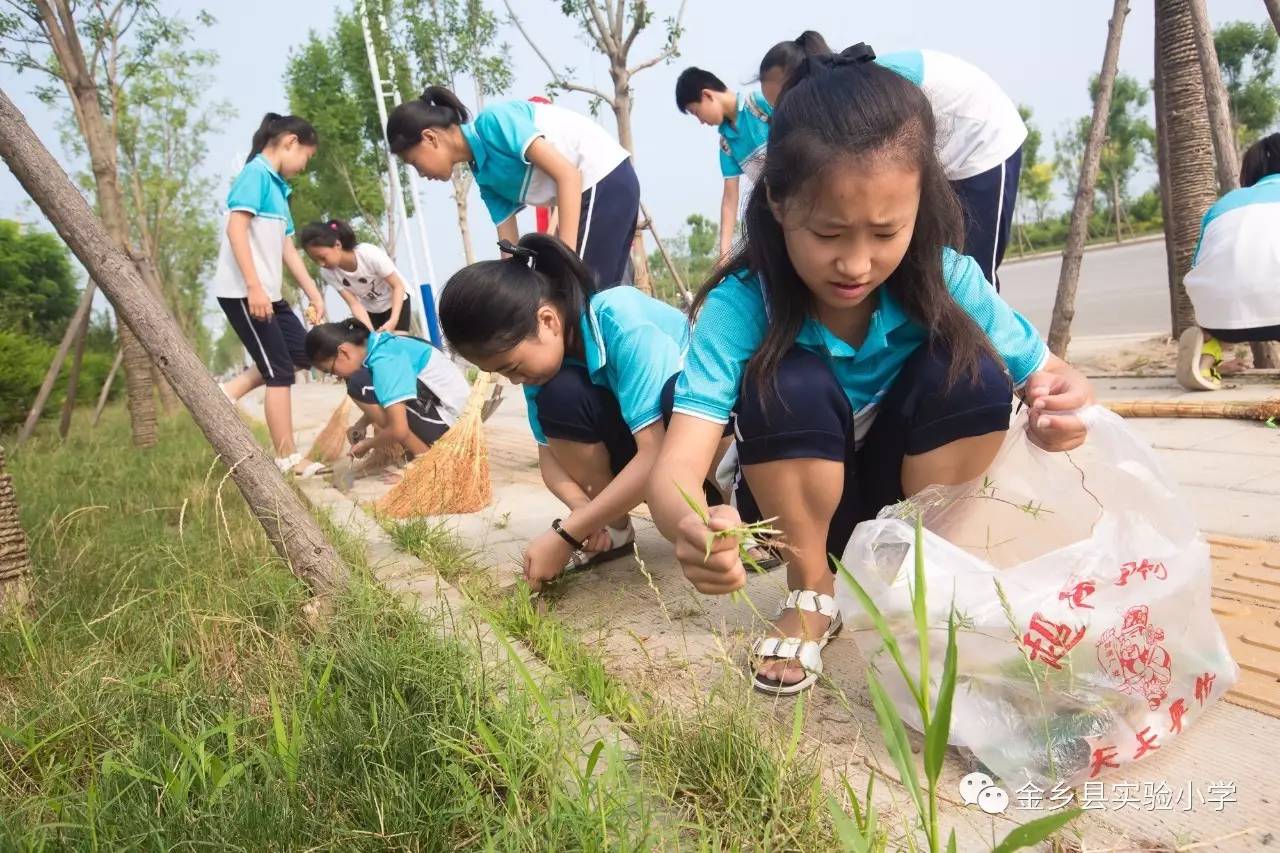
(1092, 247)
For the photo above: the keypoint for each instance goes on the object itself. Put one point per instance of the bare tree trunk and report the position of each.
(1273, 9)
(73, 379)
(289, 526)
(105, 391)
(1192, 181)
(1115, 205)
(59, 25)
(461, 186)
(55, 366)
(1064, 306)
(1162, 167)
(15, 560)
(145, 263)
(1224, 141)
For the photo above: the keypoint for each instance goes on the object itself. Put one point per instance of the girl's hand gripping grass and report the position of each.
(710, 562)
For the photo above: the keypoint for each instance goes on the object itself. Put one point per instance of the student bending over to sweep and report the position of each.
(859, 356)
(363, 275)
(594, 365)
(409, 390)
(529, 153)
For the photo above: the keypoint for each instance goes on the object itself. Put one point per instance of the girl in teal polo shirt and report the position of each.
(523, 153)
(859, 358)
(594, 365)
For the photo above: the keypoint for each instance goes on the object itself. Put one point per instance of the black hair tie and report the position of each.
(857, 54)
(528, 256)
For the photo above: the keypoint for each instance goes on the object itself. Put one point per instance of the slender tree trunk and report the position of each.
(55, 366)
(1273, 9)
(60, 27)
(105, 392)
(1064, 306)
(15, 560)
(73, 379)
(1162, 167)
(289, 526)
(461, 186)
(1192, 179)
(1224, 142)
(1115, 205)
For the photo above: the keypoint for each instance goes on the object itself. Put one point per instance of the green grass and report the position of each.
(166, 691)
(725, 769)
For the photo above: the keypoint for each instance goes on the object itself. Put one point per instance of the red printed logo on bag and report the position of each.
(1143, 570)
(1049, 641)
(1133, 657)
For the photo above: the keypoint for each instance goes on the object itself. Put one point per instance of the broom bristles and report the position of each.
(453, 476)
(332, 440)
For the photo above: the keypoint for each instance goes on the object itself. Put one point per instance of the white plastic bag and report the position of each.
(1104, 648)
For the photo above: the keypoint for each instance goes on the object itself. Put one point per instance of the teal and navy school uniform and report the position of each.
(405, 369)
(867, 406)
(500, 136)
(277, 346)
(742, 143)
(980, 136)
(633, 345)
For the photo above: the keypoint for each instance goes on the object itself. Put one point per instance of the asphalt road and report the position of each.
(1123, 290)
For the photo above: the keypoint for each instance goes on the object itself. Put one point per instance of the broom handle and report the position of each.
(1259, 411)
(479, 394)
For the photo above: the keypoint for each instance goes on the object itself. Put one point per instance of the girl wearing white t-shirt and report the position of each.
(363, 274)
(524, 153)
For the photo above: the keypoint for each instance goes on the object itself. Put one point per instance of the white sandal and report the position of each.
(807, 653)
(621, 543)
(286, 465)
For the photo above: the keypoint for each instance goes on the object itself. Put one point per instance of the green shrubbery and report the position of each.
(25, 359)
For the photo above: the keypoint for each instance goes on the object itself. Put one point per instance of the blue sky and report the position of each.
(1041, 52)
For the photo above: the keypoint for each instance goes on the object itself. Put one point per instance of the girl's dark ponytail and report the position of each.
(787, 55)
(1262, 159)
(491, 306)
(437, 108)
(274, 126)
(334, 232)
(323, 340)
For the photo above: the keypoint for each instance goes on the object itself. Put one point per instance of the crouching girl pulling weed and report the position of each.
(409, 390)
(594, 365)
(363, 275)
(860, 358)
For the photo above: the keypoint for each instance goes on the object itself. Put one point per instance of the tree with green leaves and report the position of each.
(1035, 183)
(1247, 58)
(1128, 141)
(327, 80)
(448, 43)
(693, 252)
(39, 293)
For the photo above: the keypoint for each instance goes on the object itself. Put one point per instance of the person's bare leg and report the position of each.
(588, 466)
(802, 494)
(278, 408)
(244, 383)
(951, 464)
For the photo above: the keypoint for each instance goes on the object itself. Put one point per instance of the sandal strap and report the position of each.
(813, 602)
(807, 653)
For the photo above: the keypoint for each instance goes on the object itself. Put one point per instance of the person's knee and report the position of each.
(564, 392)
(939, 406)
(804, 394)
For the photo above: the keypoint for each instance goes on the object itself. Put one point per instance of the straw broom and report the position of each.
(1249, 411)
(332, 440)
(453, 476)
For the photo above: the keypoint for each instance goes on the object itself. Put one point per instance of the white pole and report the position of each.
(416, 186)
(393, 173)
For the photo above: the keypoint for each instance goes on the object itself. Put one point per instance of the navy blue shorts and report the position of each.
(1245, 336)
(424, 414)
(380, 318)
(988, 200)
(277, 345)
(608, 224)
(808, 416)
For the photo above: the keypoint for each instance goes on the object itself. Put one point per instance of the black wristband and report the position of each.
(565, 535)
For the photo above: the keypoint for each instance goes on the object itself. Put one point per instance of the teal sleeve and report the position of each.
(394, 378)
(641, 360)
(250, 190)
(729, 167)
(726, 333)
(531, 405)
(1012, 335)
